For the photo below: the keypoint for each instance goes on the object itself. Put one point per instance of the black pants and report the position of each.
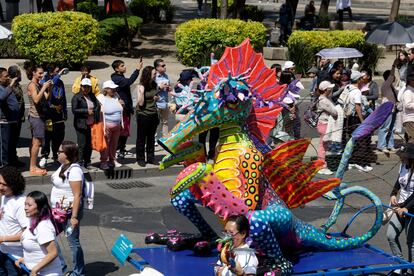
(4, 147)
(54, 138)
(15, 130)
(341, 14)
(146, 128)
(362, 147)
(85, 145)
(212, 141)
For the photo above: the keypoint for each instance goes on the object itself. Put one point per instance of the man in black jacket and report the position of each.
(124, 91)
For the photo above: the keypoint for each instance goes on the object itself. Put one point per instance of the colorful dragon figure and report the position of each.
(243, 99)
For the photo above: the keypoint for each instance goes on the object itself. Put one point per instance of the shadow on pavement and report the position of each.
(101, 268)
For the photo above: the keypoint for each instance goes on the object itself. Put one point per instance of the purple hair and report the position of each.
(43, 208)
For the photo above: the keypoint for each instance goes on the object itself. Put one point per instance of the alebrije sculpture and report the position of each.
(243, 99)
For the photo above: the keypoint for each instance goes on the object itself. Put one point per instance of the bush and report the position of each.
(303, 45)
(8, 49)
(88, 7)
(196, 39)
(114, 34)
(153, 10)
(57, 37)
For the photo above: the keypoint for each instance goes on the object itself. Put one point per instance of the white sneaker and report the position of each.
(325, 171)
(43, 162)
(117, 164)
(364, 169)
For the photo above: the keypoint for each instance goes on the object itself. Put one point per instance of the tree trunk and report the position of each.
(394, 10)
(213, 8)
(239, 6)
(223, 10)
(323, 10)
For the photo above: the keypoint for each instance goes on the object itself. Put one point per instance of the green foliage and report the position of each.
(113, 32)
(88, 7)
(253, 13)
(404, 19)
(150, 10)
(197, 38)
(303, 45)
(323, 21)
(8, 49)
(57, 37)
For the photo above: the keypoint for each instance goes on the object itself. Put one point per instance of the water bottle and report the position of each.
(68, 231)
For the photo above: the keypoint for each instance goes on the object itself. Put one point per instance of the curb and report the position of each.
(122, 173)
(127, 172)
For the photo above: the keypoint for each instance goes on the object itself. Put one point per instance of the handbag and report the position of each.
(310, 115)
(98, 137)
(60, 216)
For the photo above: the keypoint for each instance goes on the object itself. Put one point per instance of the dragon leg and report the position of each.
(184, 203)
(266, 226)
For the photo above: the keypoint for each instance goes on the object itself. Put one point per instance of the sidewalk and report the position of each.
(131, 169)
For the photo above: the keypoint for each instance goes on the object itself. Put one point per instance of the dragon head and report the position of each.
(230, 102)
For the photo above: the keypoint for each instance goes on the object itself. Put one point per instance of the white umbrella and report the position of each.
(339, 52)
(5, 33)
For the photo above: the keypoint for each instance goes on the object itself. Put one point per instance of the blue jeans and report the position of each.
(382, 135)
(78, 262)
(7, 267)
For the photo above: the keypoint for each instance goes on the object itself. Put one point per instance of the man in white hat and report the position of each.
(352, 121)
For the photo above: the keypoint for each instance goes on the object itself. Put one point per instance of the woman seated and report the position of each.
(236, 258)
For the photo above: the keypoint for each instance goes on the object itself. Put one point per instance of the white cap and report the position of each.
(109, 84)
(409, 45)
(288, 100)
(326, 85)
(288, 64)
(356, 75)
(86, 82)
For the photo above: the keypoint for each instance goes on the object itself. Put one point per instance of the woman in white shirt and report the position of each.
(67, 191)
(13, 218)
(244, 259)
(111, 108)
(39, 240)
(404, 203)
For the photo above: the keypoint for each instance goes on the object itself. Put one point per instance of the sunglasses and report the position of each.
(163, 65)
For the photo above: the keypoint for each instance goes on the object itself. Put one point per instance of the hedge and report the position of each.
(57, 37)
(197, 38)
(303, 45)
(113, 32)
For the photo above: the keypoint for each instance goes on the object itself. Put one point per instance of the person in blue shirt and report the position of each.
(162, 104)
(56, 114)
(9, 114)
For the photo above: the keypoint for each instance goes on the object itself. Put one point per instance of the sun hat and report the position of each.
(326, 85)
(86, 82)
(109, 84)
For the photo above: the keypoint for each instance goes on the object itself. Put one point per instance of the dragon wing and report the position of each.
(262, 81)
(291, 178)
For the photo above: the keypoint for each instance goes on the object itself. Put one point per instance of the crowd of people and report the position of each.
(28, 223)
(342, 98)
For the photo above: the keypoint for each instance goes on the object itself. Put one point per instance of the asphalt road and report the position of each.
(146, 209)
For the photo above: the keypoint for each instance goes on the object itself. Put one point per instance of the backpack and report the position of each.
(310, 115)
(345, 101)
(88, 190)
